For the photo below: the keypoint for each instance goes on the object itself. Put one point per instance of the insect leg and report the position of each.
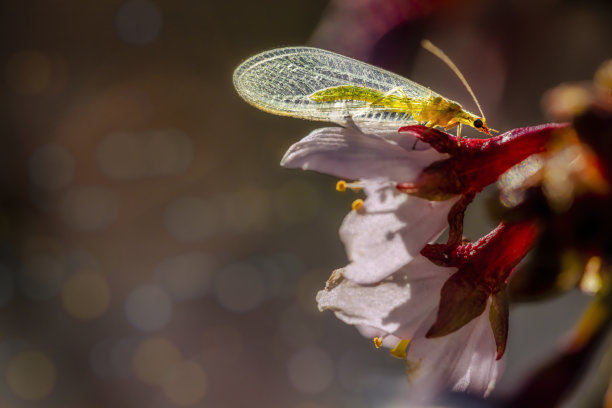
(347, 116)
(350, 123)
(381, 99)
(399, 91)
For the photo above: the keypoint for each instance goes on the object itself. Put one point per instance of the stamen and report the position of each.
(377, 342)
(399, 351)
(357, 204)
(342, 185)
(355, 186)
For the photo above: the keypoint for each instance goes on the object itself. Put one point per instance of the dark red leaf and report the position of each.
(462, 299)
(498, 316)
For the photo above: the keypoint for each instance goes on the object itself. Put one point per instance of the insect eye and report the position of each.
(478, 123)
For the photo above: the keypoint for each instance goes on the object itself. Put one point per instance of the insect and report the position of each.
(315, 84)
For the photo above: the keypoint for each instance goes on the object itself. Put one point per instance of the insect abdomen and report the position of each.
(388, 101)
(348, 92)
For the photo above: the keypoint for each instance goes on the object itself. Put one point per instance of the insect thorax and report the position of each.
(441, 112)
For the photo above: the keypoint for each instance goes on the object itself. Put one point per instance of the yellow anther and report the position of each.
(341, 186)
(357, 204)
(377, 342)
(399, 351)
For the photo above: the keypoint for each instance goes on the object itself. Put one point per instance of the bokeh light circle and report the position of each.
(186, 384)
(86, 295)
(31, 375)
(148, 307)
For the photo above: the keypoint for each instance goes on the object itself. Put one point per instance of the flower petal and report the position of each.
(396, 305)
(351, 154)
(389, 231)
(463, 361)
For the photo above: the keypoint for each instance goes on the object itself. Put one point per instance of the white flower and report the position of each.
(392, 227)
(403, 307)
(389, 290)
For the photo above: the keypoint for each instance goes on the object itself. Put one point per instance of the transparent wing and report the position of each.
(281, 81)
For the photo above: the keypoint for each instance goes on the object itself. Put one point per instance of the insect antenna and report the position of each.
(440, 54)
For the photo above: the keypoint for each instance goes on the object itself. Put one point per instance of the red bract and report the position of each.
(484, 267)
(474, 163)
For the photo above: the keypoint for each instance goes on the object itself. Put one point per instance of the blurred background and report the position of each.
(154, 253)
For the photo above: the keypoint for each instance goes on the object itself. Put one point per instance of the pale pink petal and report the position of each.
(463, 361)
(351, 154)
(389, 231)
(396, 305)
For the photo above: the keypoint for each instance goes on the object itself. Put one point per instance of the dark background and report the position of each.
(154, 254)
